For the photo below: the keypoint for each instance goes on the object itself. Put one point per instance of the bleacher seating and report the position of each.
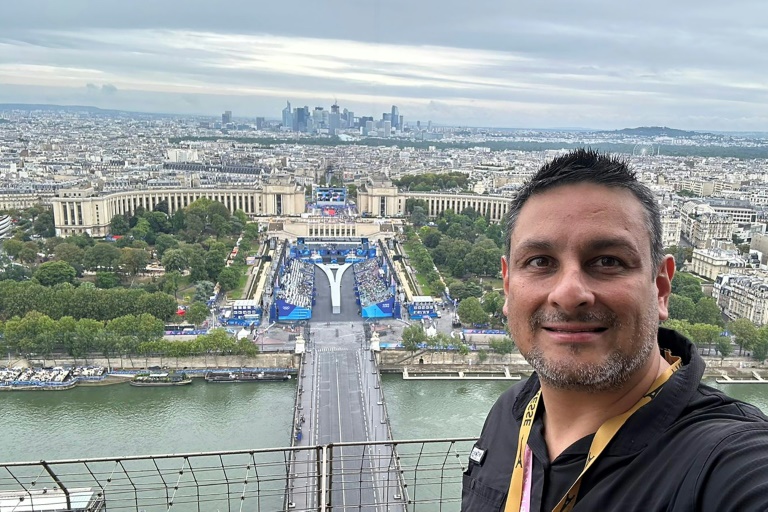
(297, 283)
(370, 285)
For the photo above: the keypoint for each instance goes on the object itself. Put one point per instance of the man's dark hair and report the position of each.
(588, 166)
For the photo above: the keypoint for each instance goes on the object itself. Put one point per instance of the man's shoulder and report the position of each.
(523, 390)
(510, 403)
(714, 404)
(716, 420)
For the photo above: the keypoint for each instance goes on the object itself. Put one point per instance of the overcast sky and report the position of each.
(691, 64)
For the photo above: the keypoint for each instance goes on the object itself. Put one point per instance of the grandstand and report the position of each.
(374, 295)
(295, 290)
(374, 289)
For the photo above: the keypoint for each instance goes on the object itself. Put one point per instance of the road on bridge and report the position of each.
(340, 401)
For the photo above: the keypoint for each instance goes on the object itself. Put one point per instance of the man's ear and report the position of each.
(664, 275)
(505, 280)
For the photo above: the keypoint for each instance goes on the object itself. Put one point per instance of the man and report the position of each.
(615, 416)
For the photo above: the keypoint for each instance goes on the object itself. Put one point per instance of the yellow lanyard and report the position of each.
(603, 436)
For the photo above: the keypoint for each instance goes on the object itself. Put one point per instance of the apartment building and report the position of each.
(743, 296)
(701, 224)
(709, 263)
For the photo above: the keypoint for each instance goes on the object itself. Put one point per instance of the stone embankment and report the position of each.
(271, 360)
(393, 361)
(390, 361)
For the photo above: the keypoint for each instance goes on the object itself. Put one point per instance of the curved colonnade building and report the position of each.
(89, 211)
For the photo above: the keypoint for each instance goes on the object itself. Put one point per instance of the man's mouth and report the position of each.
(576, 330)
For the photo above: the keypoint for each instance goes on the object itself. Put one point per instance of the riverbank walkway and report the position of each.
(339, 399)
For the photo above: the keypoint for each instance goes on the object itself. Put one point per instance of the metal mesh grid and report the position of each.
(421, 476)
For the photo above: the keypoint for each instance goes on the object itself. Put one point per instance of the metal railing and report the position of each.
(418, 476)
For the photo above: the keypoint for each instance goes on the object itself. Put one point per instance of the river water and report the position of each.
(123, 420)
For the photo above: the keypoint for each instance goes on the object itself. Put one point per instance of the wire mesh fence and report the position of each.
(419, 476)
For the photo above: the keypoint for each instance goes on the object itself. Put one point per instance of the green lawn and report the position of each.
(238, 292)
(425, 289)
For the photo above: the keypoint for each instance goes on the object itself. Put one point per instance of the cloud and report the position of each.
(597, 63)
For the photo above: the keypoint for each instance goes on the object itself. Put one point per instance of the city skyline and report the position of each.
(598, 65)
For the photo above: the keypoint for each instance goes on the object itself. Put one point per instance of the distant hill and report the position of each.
(76, 108)
(657, 131)
(41, 106)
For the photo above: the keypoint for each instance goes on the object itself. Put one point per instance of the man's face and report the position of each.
(582, 299)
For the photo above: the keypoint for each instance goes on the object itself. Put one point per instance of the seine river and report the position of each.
(123, 420)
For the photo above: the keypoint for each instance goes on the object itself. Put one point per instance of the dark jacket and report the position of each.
(692, 448)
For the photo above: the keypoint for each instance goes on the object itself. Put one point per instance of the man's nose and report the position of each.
(571, 290)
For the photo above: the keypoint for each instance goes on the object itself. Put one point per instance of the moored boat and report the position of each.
(161, 379)
(246, 376)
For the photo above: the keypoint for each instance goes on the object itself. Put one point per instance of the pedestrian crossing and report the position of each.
(336, 349)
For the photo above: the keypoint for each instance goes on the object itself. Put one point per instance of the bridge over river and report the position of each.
(340, 403)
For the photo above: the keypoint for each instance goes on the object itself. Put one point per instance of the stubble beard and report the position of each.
(612, 373)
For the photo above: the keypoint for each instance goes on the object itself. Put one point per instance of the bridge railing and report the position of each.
(424, 476)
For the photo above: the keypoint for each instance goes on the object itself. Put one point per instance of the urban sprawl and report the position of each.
(88, 166)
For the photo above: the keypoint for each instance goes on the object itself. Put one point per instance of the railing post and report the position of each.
(58, 482)
(322, 472)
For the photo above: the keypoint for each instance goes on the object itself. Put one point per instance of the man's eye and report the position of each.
(608, 261)
(538, 262)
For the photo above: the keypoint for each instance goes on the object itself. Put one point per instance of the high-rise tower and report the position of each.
(395, 118)
(287, 117)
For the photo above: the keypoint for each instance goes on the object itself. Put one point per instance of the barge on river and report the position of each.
(247, 376)
(161, 379)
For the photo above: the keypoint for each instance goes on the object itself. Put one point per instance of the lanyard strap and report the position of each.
(604, 434)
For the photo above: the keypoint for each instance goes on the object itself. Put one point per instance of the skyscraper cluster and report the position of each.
(322, 121)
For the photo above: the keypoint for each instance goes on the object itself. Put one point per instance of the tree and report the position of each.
(197, 313)
(229, 278)
(163, 242)
(470, 311)
(174, 259)
(162, 206)
(430, 237)
(86, 332)
(724, 347)
(681, 326)
(503, 345)
(760, 347)
(13, 247)
(28, 252)
(410, 204)
(141, 229)
(197, 268)
(102, 256)
(158, 222)
(704, 335)
(492, 303)
(413, 337)
(745, 332)
(133, 261)
(681, 307)
(707, 312)
(463, 290)
(107, 280)
(55, 272)
(172, 282)
(687, 285)
(418, 216)
(70, 253)
(203, 291)
(43, 224)
(118, 225)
